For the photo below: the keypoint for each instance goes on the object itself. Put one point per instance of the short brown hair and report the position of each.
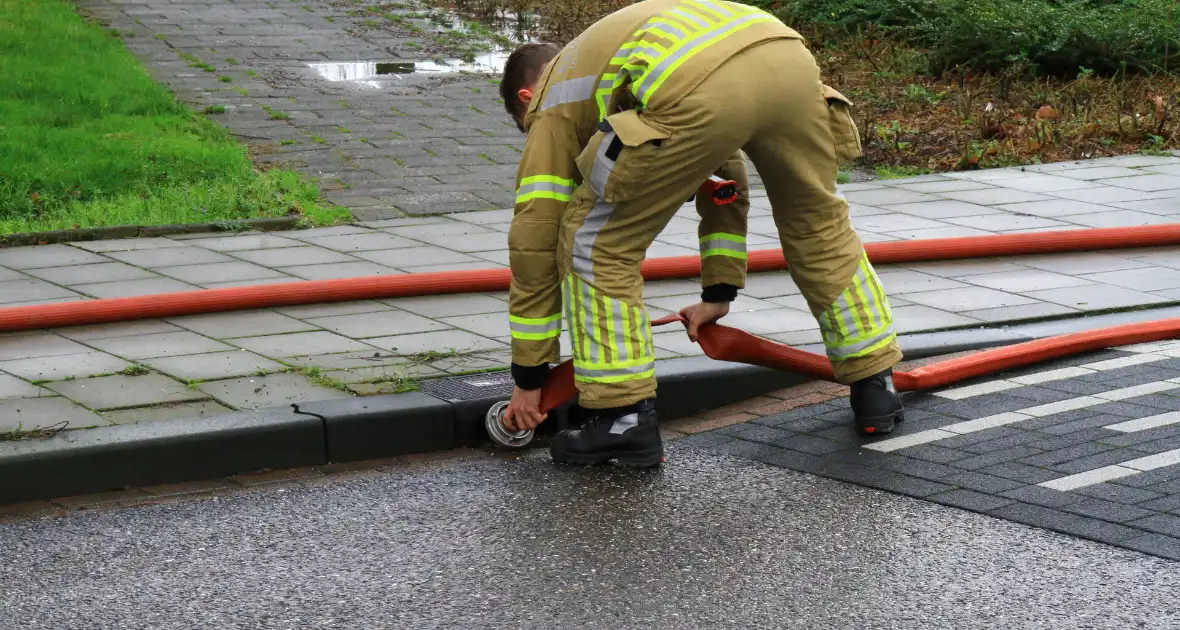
(523, 67)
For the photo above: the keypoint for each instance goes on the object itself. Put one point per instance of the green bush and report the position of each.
(1048, 37)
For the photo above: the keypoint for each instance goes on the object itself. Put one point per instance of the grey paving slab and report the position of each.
(1078, 263)
(899, 281)
(347, 360)
(168, 411)
(243, 242)
(379, 324)
(1041, 183)
(214, 365)
(1146, 183)
(1145, 279)
(958, 268)
(967, 299)
(170, 256)
(30, 414)
(9, 274)
(950, 231)
(394, 375)
(335, 230)
(367, 241)
(888, 223)
(119, 391)
(300, 344)
(916, 317)
(943, 209)
(63, 366)
(493, 325)
(1008, 223)
(250, 283)
(450, 305)
(159, 345)
(1099, 172)
(436, 231)
(241, 324)
(126, 244)
(128, 288)
(219, 272)
(467, 266)
(995, 196)
(1167, 206)
(1023, 311)
(32, 290)
(1096, 297)
(275, 390)
(887, 196)
(771, 321)
(1119, 218)
(86, 274)
(444, 341)
(27, 345)
(1025, 281)
(328, 309)
(12, 387)
(1053, 208)
(40, 256)
(293, 256)
(1108, 194)
(942, 185)
(339, 270)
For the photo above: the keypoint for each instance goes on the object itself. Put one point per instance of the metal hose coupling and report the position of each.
(494, 422)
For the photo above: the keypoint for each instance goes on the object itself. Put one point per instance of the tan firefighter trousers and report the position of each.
(768, 101)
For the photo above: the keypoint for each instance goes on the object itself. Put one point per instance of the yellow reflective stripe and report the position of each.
(608, 322)
(724, 252)
(873, 346)
(551, 179)
(686, 50)
(616, 378)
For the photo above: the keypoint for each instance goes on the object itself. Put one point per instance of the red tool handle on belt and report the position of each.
(722, 191)
(723, 343)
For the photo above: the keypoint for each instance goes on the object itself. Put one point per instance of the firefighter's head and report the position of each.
(521, 70)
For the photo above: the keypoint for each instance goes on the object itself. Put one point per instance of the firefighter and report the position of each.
(623, 125)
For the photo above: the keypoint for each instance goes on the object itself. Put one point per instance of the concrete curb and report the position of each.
(143, 231)
(448, 413)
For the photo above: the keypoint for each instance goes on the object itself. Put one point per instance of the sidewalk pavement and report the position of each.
(209, 364)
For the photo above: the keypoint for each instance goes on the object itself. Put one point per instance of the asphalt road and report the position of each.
(507, 542)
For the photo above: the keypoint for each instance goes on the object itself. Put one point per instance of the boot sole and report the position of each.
(880, 425)
(649, 458)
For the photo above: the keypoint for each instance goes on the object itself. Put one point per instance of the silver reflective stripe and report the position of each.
(518, 327)
(570, 91)
(847, 351)
(622, 339)
(602, 165)
(651, 51)
(721, 243)
(586, 235)
(625, 423)
(547, 186)
(667, 29)
(606, 373)
(589, 325)
(688, 46)
(691, 18)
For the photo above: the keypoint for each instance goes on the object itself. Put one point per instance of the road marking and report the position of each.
(1143, 424)
(1057, 374)
(1088, 478)
(1114, 471)
(1153, 346)
(989, 387)
(914, 439)
(1038, 411)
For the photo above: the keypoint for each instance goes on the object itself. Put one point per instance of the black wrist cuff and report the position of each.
(720, 292)
(530, 376)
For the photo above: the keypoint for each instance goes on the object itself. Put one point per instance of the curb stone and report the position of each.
(137, 231)
(448, 413)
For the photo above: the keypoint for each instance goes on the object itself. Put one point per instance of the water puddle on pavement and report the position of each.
(374, 73)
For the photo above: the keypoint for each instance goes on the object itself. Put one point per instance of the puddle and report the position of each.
(375, 73)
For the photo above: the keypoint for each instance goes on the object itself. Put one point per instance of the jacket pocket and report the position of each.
(614, 161)
(845, 135)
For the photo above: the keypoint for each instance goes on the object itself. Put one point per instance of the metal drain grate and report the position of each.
(470, 387)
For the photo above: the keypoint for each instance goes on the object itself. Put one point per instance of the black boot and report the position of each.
(630, 435)
(875, 403)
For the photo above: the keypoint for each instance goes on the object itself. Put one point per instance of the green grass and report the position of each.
(886, 171)
(89, 139)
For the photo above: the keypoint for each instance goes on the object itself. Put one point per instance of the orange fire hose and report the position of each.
(718, 341)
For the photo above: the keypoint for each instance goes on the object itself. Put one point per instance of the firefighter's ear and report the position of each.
(525, 94)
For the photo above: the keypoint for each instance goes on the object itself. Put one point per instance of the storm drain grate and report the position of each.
(470, 387)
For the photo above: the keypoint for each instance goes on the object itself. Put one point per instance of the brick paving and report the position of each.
(1087, 446)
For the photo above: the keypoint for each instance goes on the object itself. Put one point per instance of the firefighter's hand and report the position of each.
(524, 410)
(703, 313)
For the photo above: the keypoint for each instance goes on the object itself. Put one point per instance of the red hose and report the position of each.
(718, 341)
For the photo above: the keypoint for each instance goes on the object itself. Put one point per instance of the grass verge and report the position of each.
(88, 139)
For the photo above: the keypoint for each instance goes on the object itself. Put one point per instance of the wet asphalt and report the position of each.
(512, 541)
